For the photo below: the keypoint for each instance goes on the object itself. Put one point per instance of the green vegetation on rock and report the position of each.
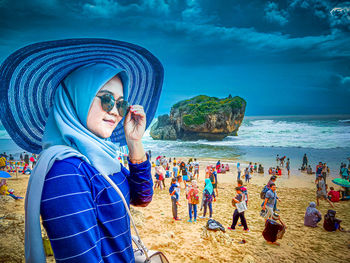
(195, 110)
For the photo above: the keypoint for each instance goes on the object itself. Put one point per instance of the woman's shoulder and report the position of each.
(71, 165)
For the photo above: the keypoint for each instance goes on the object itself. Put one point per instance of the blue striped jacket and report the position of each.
(84, 217)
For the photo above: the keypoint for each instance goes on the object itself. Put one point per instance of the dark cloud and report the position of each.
(275, 15)
(216, 38)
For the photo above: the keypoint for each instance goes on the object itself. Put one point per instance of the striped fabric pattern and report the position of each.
(85, 218)
(29, 78)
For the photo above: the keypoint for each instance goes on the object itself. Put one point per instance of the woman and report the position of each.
(312, 215)
(209, 197)
(193, 200)
(85, 218)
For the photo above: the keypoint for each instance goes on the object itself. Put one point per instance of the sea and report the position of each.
(260, 139)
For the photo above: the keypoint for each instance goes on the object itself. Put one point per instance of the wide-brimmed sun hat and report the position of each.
(29, 78)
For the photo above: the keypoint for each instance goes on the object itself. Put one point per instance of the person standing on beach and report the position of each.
(288, 166)
(247, 175)
(319, 169)
(78, 186)
(26, 158)
(239, 171)
(305, 161)
(209, 198)
(238, 214)
(344, 172)
(214, 180)
(277, 159)
(270, 200)
(175, 170)
(321, 192)
(244, 190)
(174, 192)
(193, 200)
(183, 170)
(196, 168)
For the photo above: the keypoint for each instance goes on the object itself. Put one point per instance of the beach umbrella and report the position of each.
(341, 182)
(158, 157)
(4, 174)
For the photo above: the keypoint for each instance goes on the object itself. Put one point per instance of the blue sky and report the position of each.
(284, 57)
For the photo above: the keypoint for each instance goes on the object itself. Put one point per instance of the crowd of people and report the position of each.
(187, 174)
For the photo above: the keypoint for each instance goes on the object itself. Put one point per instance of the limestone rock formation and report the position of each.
(201, 117)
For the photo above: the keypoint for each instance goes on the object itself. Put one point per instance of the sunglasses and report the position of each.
(108, 102)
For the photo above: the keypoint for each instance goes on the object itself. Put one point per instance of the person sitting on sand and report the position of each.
(312, 215)
(5, 191)
(274, 230)
(236, 200)
(209, 197)
(331, 223)
(334, 196)
(193, 200)
(174, 192)
(260, 169)
(309, 170)
(321, 192)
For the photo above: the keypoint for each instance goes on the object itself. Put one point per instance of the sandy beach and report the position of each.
(191, 242)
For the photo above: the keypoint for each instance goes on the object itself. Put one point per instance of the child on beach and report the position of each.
(193, 200)
(238, 214)
(321, 192)
(174, 192)
(209, 197)
(244, 190)
(175, 170)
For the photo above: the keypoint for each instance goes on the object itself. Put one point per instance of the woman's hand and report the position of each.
(134, 128)
(135, 123)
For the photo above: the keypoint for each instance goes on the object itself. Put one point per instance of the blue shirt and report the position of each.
(271, 196)
(84, 216)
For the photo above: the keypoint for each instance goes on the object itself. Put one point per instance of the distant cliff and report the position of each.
(201, 117)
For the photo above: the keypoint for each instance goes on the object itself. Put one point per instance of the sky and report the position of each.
(286, 57)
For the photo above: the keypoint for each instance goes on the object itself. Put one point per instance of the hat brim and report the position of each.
(29, 78)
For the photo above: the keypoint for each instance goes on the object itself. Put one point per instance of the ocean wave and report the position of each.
(317, 134)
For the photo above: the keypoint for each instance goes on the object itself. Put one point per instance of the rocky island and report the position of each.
(201, 117)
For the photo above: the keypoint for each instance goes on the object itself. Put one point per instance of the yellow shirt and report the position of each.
(3, 190)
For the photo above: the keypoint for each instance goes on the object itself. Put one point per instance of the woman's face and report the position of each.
(100, 122)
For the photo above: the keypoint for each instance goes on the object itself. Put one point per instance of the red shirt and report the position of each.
(335, 195)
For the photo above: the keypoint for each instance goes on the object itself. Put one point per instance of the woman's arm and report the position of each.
(140, 183)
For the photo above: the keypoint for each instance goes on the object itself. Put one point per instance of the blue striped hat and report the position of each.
(30, 76)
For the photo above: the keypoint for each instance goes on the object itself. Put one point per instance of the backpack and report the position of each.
(263, 192)
(214, 225)
(194, 198)
(172, 188)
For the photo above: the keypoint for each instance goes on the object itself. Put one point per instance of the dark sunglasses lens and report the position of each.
(107, 102)
(122, 107)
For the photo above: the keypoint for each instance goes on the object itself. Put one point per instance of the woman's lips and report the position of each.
(110, 122)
